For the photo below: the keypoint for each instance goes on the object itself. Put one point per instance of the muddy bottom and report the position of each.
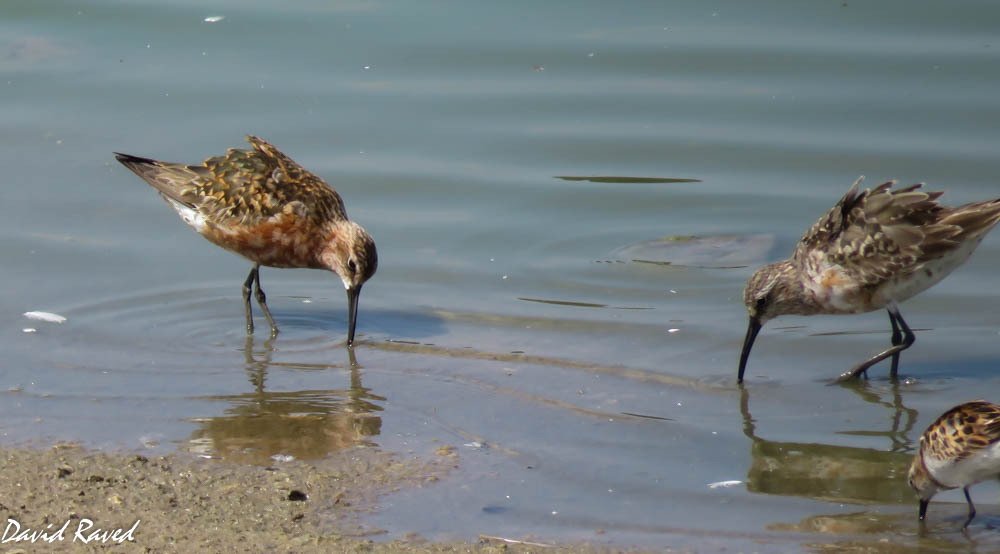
(65, 497)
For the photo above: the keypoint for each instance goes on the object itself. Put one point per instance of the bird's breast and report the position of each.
(836, 292)
(274, 243)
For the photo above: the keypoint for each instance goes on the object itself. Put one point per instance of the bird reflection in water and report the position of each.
(834, 473)
(260, 427)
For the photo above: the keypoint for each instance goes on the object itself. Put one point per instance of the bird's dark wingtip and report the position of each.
(130, 159)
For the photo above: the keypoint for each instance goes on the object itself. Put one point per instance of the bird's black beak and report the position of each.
(752, 331)
(923, 508)
(352, 312)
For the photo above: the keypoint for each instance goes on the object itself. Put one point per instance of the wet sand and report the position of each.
(179, 502)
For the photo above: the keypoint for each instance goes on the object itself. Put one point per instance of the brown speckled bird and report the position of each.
(873, 249)
(265, 207)
(961, 448)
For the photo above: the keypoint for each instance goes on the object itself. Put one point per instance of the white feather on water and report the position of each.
(720, 484)
(45, 316)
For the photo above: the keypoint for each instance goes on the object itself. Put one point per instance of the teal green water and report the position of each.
(567, 200)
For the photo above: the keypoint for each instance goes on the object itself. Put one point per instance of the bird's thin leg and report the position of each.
(908, 340)
(897, 339)
(262, 300)
(972, 508)
(247, 285)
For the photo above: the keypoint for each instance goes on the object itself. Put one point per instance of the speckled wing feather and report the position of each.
(962, 431)
(243, 187)
(881, 233)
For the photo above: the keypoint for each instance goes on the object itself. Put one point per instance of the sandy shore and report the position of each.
(178, 503)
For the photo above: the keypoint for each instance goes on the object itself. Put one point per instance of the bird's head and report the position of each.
(921, 483)
(350, 253)
(772, 290)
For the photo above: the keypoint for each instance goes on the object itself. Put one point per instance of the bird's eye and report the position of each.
(351, 266)
(761, 302)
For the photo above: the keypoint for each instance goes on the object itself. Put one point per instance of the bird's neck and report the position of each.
(794, 297)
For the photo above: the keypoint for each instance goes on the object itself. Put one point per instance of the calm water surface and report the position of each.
(551, 301)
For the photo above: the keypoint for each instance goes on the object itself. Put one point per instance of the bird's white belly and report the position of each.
(981, 466)
(927, 274)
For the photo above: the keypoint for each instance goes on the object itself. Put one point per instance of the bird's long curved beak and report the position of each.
(752, 331)
(352, 312)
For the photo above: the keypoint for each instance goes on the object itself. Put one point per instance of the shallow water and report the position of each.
(567, 203)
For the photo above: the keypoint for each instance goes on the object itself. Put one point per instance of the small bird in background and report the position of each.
(263, 206)
(961, 448)
(872, 250)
